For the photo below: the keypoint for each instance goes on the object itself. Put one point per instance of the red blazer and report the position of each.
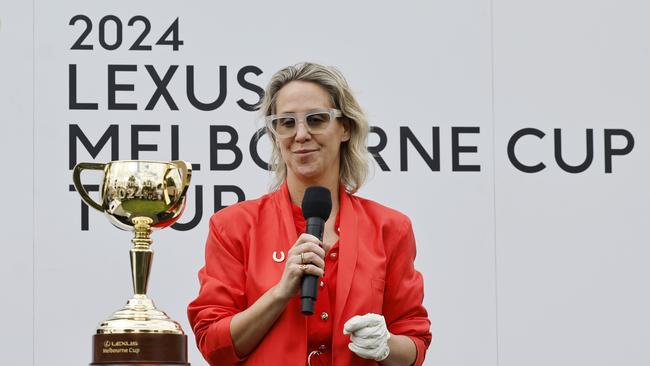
(375, 275)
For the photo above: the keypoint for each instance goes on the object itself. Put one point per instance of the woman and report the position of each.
(369, 306)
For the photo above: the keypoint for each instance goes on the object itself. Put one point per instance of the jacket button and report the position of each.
(333, 255)
(322, 284)
(324, 316)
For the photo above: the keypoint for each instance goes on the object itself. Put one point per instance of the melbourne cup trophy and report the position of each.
(139, 196)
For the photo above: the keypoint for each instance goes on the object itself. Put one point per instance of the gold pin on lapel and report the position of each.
(275, 257)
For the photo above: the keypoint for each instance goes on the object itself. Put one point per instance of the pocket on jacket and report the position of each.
(378, 284)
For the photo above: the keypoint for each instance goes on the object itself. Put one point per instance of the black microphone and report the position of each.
(316, 208)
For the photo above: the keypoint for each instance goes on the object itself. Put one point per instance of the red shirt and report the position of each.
(320, 325)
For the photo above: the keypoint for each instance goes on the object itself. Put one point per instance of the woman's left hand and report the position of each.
(368, 335)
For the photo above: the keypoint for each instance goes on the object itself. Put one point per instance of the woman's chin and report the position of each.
(308, 172)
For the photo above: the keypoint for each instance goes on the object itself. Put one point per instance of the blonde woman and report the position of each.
(369, 308)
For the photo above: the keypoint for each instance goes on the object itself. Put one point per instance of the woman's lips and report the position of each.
(304, 151)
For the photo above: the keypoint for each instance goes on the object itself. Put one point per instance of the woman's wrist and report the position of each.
(402, 351)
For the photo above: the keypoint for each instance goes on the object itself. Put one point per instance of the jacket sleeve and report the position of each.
(403, 309)
(221, 296)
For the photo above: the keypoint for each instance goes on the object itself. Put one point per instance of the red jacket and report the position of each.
(375, 275)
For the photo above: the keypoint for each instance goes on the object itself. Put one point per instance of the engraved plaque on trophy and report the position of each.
(139, 196)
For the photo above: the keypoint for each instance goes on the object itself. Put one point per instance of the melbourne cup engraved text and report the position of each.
(121, 347)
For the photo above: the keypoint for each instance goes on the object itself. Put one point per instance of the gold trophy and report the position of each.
(139, 196)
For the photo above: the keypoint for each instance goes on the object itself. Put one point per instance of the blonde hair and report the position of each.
(354, 153)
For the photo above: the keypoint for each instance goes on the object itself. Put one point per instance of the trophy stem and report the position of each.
(141, 255)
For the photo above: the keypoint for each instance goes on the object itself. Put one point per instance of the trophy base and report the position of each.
(139, 335)
(139, 315)
(141, 349)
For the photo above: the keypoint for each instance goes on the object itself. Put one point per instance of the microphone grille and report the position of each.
(317, 202)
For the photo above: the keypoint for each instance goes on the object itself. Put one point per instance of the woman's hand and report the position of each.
(305, 257)
(370, 339)
(368, 335)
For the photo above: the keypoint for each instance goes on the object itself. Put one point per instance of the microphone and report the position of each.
(316, 208)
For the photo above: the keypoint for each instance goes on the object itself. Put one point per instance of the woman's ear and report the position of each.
(347, 127)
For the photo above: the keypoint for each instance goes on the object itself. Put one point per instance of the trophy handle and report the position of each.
(186, 169)
(76, 178)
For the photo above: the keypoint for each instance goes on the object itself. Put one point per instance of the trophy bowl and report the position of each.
(139, 188)
(139, 196)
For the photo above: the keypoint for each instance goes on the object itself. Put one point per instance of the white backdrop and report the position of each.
(520, 268)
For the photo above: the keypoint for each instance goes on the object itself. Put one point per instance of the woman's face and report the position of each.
(312, 158)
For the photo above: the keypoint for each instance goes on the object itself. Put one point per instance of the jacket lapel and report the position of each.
(348, 248)
(283, 202)
(291, 321)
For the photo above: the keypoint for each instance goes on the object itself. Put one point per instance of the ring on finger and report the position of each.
(302, 258)
(303, 267)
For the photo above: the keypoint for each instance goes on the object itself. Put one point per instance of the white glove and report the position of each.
(369, 336)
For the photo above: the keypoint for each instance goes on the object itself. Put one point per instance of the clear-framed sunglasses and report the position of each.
(317, 121)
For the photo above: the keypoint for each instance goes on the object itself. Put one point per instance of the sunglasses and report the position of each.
(316, 121)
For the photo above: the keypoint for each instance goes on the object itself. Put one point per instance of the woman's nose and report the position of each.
(301, 132)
